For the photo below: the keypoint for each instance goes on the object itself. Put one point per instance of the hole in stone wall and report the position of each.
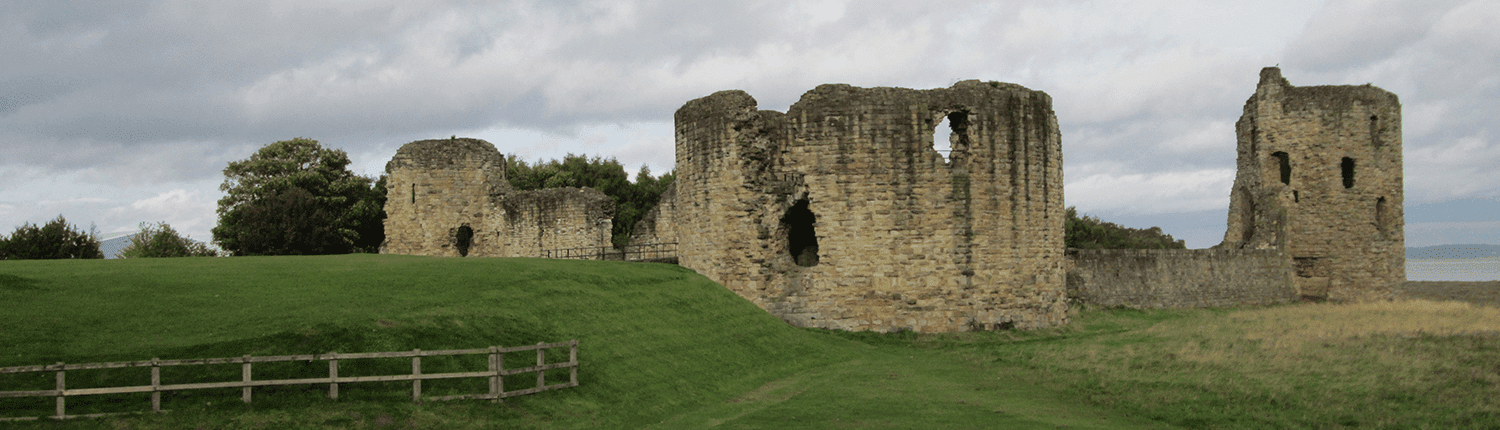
(1347, 166)
(462, 239)
(414, 193)
(942, 139)
(802, 239)
(1286, 167)
(1380, 216)
(1375, 131)
(1296, 198)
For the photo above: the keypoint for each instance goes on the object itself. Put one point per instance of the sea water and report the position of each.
(1457, 269)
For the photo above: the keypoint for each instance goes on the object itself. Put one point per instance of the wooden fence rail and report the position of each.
(495, 372)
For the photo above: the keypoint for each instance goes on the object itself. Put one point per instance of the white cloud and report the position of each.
(189, 212)
(1151, 193)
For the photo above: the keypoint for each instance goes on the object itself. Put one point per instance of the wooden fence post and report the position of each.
(155, 384)
(333, 375)
(495, 375)
(573, 359)
(245, 376)
(61, 408)
(416, 369)
(499, 368)
(541, 358)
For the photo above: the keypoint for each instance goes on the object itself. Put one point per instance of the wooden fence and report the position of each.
(664, 252)
(495, 373)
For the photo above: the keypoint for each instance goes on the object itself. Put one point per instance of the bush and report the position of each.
(55, 240)
(160, 240)
(1091, 233)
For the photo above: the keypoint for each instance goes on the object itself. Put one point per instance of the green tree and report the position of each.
(296, 197)
(160, 240)
(55, 240)
(632, 200)
(1090, 232)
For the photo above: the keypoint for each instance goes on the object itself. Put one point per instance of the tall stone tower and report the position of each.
(438, 193)
(1319, 176)
(842, 212)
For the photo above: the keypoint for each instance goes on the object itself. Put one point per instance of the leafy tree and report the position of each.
(297, 197)
(55, 240)
(1091, 233)
(160, 240)
(632, 200)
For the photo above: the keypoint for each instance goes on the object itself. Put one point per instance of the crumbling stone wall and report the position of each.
(449, 197)
(658, 225)
(841, 214)
(1319, 176)
(1180, 278)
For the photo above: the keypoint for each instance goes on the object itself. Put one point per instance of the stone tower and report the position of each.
(842, 214)
(1319, 176)
(438, 192)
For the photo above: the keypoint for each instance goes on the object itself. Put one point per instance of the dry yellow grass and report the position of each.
(1373, 362)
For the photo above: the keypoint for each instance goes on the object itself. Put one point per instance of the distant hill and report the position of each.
(1453, 251)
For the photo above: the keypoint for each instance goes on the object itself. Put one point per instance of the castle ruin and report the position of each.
(842, 213)
(449, 197)
(1319, 177)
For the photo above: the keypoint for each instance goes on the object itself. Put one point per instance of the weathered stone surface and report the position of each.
(1180, 278)
(449, 197)
(1319, 176)
(1303, 221)
(840, 214)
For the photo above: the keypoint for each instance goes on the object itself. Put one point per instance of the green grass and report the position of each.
(663, 347)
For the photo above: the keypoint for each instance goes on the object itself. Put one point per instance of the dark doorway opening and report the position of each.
(462, 239)
(1286, 167)
(802, 239)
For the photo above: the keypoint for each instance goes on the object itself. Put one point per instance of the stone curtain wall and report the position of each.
(895, 237)
(532, 221)
(1320, 175)
(443, 194)
(659, 225)
(1179, 278)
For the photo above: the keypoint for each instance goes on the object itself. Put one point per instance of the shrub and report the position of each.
(1091, 233)
(160, 240)
(55, 240)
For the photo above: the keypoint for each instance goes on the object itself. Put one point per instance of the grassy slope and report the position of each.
(661, 346)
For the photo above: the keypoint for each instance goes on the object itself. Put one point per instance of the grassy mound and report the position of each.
(663, 334)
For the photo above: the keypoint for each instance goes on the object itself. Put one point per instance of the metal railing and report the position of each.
(642, 252)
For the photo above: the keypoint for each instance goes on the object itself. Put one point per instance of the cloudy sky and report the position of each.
(121, 112)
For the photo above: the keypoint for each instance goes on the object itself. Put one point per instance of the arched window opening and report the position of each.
(1375, 131)
(1348, 168)
(1286, 167)
(802, 238)
(462, 239)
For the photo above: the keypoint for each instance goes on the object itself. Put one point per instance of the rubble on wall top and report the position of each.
(445, 153)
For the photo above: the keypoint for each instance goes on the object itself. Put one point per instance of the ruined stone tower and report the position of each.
(1319, 176)
(841, 213)
(449, 197)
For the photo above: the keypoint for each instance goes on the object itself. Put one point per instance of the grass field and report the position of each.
(662, 347)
